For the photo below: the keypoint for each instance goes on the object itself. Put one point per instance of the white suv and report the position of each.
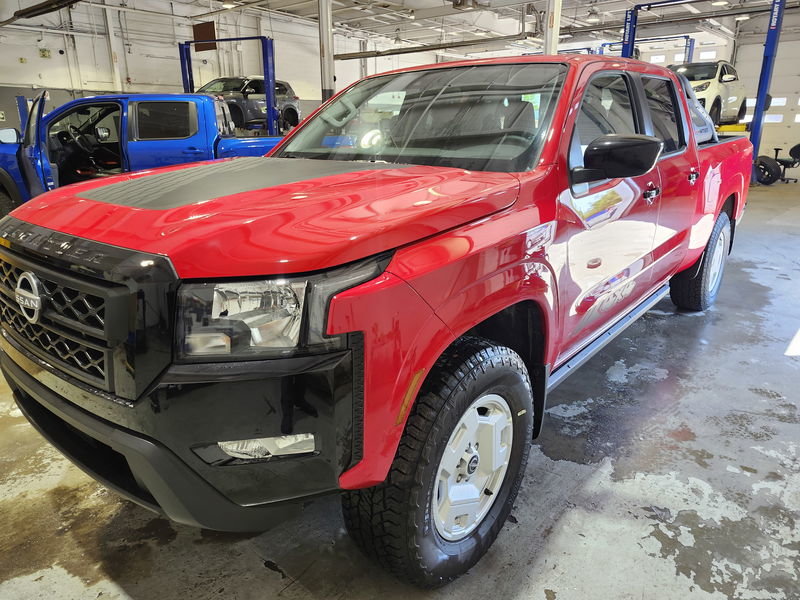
(718, 88)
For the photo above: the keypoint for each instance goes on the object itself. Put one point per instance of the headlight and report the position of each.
(702, 87)
(242, 320)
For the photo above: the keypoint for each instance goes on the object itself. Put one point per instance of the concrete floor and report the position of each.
(669, 469)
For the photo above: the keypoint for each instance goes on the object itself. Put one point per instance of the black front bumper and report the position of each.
(160, 451)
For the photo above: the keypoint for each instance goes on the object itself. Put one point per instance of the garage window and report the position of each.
(165, 120)
(664, 112)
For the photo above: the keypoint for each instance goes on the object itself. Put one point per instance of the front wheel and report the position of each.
(699, 292)
(716, 111)
(457, 471)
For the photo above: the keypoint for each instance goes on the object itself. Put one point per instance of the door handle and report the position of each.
(651, 194)
(192, 150)
(693, 176)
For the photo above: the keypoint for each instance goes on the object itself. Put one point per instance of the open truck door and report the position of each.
(36, 168)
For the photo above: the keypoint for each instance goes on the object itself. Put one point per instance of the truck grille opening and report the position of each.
(76, 354)
(85, 309)
(70, 333)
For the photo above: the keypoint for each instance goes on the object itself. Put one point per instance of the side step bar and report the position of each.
(565, 370)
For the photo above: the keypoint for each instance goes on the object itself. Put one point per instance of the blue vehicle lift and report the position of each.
(767, 64)
(631, 19)
(268, 60)
(688, 48)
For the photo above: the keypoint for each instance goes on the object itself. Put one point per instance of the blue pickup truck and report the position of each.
(101, 136)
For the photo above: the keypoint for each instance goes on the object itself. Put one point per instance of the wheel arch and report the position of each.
(730, 206)
(522, 327)
(9, 186)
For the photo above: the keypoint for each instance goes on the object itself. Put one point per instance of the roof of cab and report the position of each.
(569, 59)
(146, 97)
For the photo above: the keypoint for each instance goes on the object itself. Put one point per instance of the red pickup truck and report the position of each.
(378, 309)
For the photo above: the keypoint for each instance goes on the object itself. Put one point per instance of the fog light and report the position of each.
(300, 443)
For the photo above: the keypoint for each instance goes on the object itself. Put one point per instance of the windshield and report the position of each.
(487, 118)
(696, 71)
(226, 84)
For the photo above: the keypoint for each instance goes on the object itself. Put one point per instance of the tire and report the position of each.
(396, 522)
(288, 120)
(716, 111)
(768, 170)
(236, 116)
(699, 292)
(742, 111)
(6, 203)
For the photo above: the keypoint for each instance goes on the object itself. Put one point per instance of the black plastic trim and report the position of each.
(250, 369)
(176, 491)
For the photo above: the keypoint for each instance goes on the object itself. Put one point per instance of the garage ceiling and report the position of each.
(417, 23)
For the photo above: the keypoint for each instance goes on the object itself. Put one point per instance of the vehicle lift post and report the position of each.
(631, 20)
(268, 60)
(767, 64)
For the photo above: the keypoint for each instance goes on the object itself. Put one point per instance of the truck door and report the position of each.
(608, 226)
(678, 169)
(36, 168)
(166, 132)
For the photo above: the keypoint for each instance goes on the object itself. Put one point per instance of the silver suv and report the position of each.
(246, 99)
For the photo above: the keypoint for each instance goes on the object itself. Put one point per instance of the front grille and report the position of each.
(72, 353)
(83, 309)
(71, 333)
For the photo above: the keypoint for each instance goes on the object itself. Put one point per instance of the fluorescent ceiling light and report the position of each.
(719, 2)
(228, 5)
(742, 17)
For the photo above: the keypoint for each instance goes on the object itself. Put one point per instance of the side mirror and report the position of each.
(9, 136)
(728, 78)
(102, 133)
(249, 90)
(616, 156)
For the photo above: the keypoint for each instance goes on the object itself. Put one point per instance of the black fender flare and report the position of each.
(10, 186)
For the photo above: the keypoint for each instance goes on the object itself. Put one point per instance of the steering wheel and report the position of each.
(81, 141)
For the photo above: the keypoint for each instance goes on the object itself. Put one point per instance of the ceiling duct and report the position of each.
(38, 10)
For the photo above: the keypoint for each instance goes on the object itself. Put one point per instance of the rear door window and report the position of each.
(664, 112)
(165, 120)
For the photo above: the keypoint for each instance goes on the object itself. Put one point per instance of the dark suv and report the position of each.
(246, 99)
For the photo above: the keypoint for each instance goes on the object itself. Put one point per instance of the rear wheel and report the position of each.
(768, 170)
(457, 471)
(700, 292)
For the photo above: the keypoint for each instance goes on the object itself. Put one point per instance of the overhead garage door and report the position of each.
(782, 122)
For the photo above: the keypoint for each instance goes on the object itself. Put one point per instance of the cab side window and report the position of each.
(606, 108)
(159, 120)
(663, 105)
(257, 85)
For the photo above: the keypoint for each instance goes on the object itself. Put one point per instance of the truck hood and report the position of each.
(256, 216)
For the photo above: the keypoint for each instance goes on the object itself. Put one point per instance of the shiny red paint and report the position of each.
(292, 228)
(467, 245)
